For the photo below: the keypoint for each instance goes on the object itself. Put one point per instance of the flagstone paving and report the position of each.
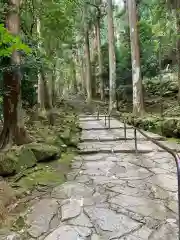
(112, 192)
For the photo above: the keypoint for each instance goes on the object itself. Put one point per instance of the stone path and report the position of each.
(111, 192)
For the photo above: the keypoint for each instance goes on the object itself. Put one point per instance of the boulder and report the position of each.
(44, 152)
(170, 127)
(8, 161)
(26, 159)
(15, 160)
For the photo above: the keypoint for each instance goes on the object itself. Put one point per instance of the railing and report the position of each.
(174, 154)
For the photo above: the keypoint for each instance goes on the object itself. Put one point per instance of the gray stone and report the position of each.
(94, 157)
(83, 179)
(165, 181)
(82, 220)
(142, 205)
(97, 198)
(71, 190)
(165, 232)
(110, 222)
(61, 233)
(71, 209)
(83, 231)
(64, 233)
(40, 216)
(142, 233)
(96, 237)
(173, 205)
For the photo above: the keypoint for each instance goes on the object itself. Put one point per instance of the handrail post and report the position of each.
(109, 124)
(125, 131)
(135, 139)
(178, 176)
(105, 119)
(98, 113)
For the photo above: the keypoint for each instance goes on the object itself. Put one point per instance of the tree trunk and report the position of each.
(52, 92)
(47, 101)
(88, 66)
(13, 128)
(178, 44)
(83, 76)
(74, 77)
(138, 104)
(100, 58)
(40, 93)
(40, 80)
(112, 59)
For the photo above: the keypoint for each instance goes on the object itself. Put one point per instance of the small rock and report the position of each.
(71, 189)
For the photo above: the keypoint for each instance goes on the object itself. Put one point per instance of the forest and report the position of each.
(121, 55)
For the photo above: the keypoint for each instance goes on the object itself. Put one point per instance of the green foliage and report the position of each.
(10, 43)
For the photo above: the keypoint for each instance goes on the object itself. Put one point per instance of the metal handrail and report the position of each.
(174, 154)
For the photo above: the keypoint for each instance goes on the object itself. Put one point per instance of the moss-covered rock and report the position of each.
(25, 159)
(8, 161)
(74, 140)
(44, 152)
(15, 160)
(169, 127)
(168, 85)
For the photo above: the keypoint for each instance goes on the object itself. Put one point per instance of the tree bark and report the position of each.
(178, 44)
(74, 75)
(47, 101)
(112, 58)
(138, 103)
(83, 76)
(100, 62)
(93, 67)
(40, 80)
(13, 129)
(88, 66)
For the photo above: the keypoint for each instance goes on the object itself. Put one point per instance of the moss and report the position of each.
(8, 161)
(44, 152)
(18, 224)
(44, 175)
(67, 158)
(15, 160)
(26, 159)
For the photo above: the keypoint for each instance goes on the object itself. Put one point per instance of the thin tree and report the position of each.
(40, 80)
(138, 103)
(87, 58)
(100, 62)
(112, 57)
